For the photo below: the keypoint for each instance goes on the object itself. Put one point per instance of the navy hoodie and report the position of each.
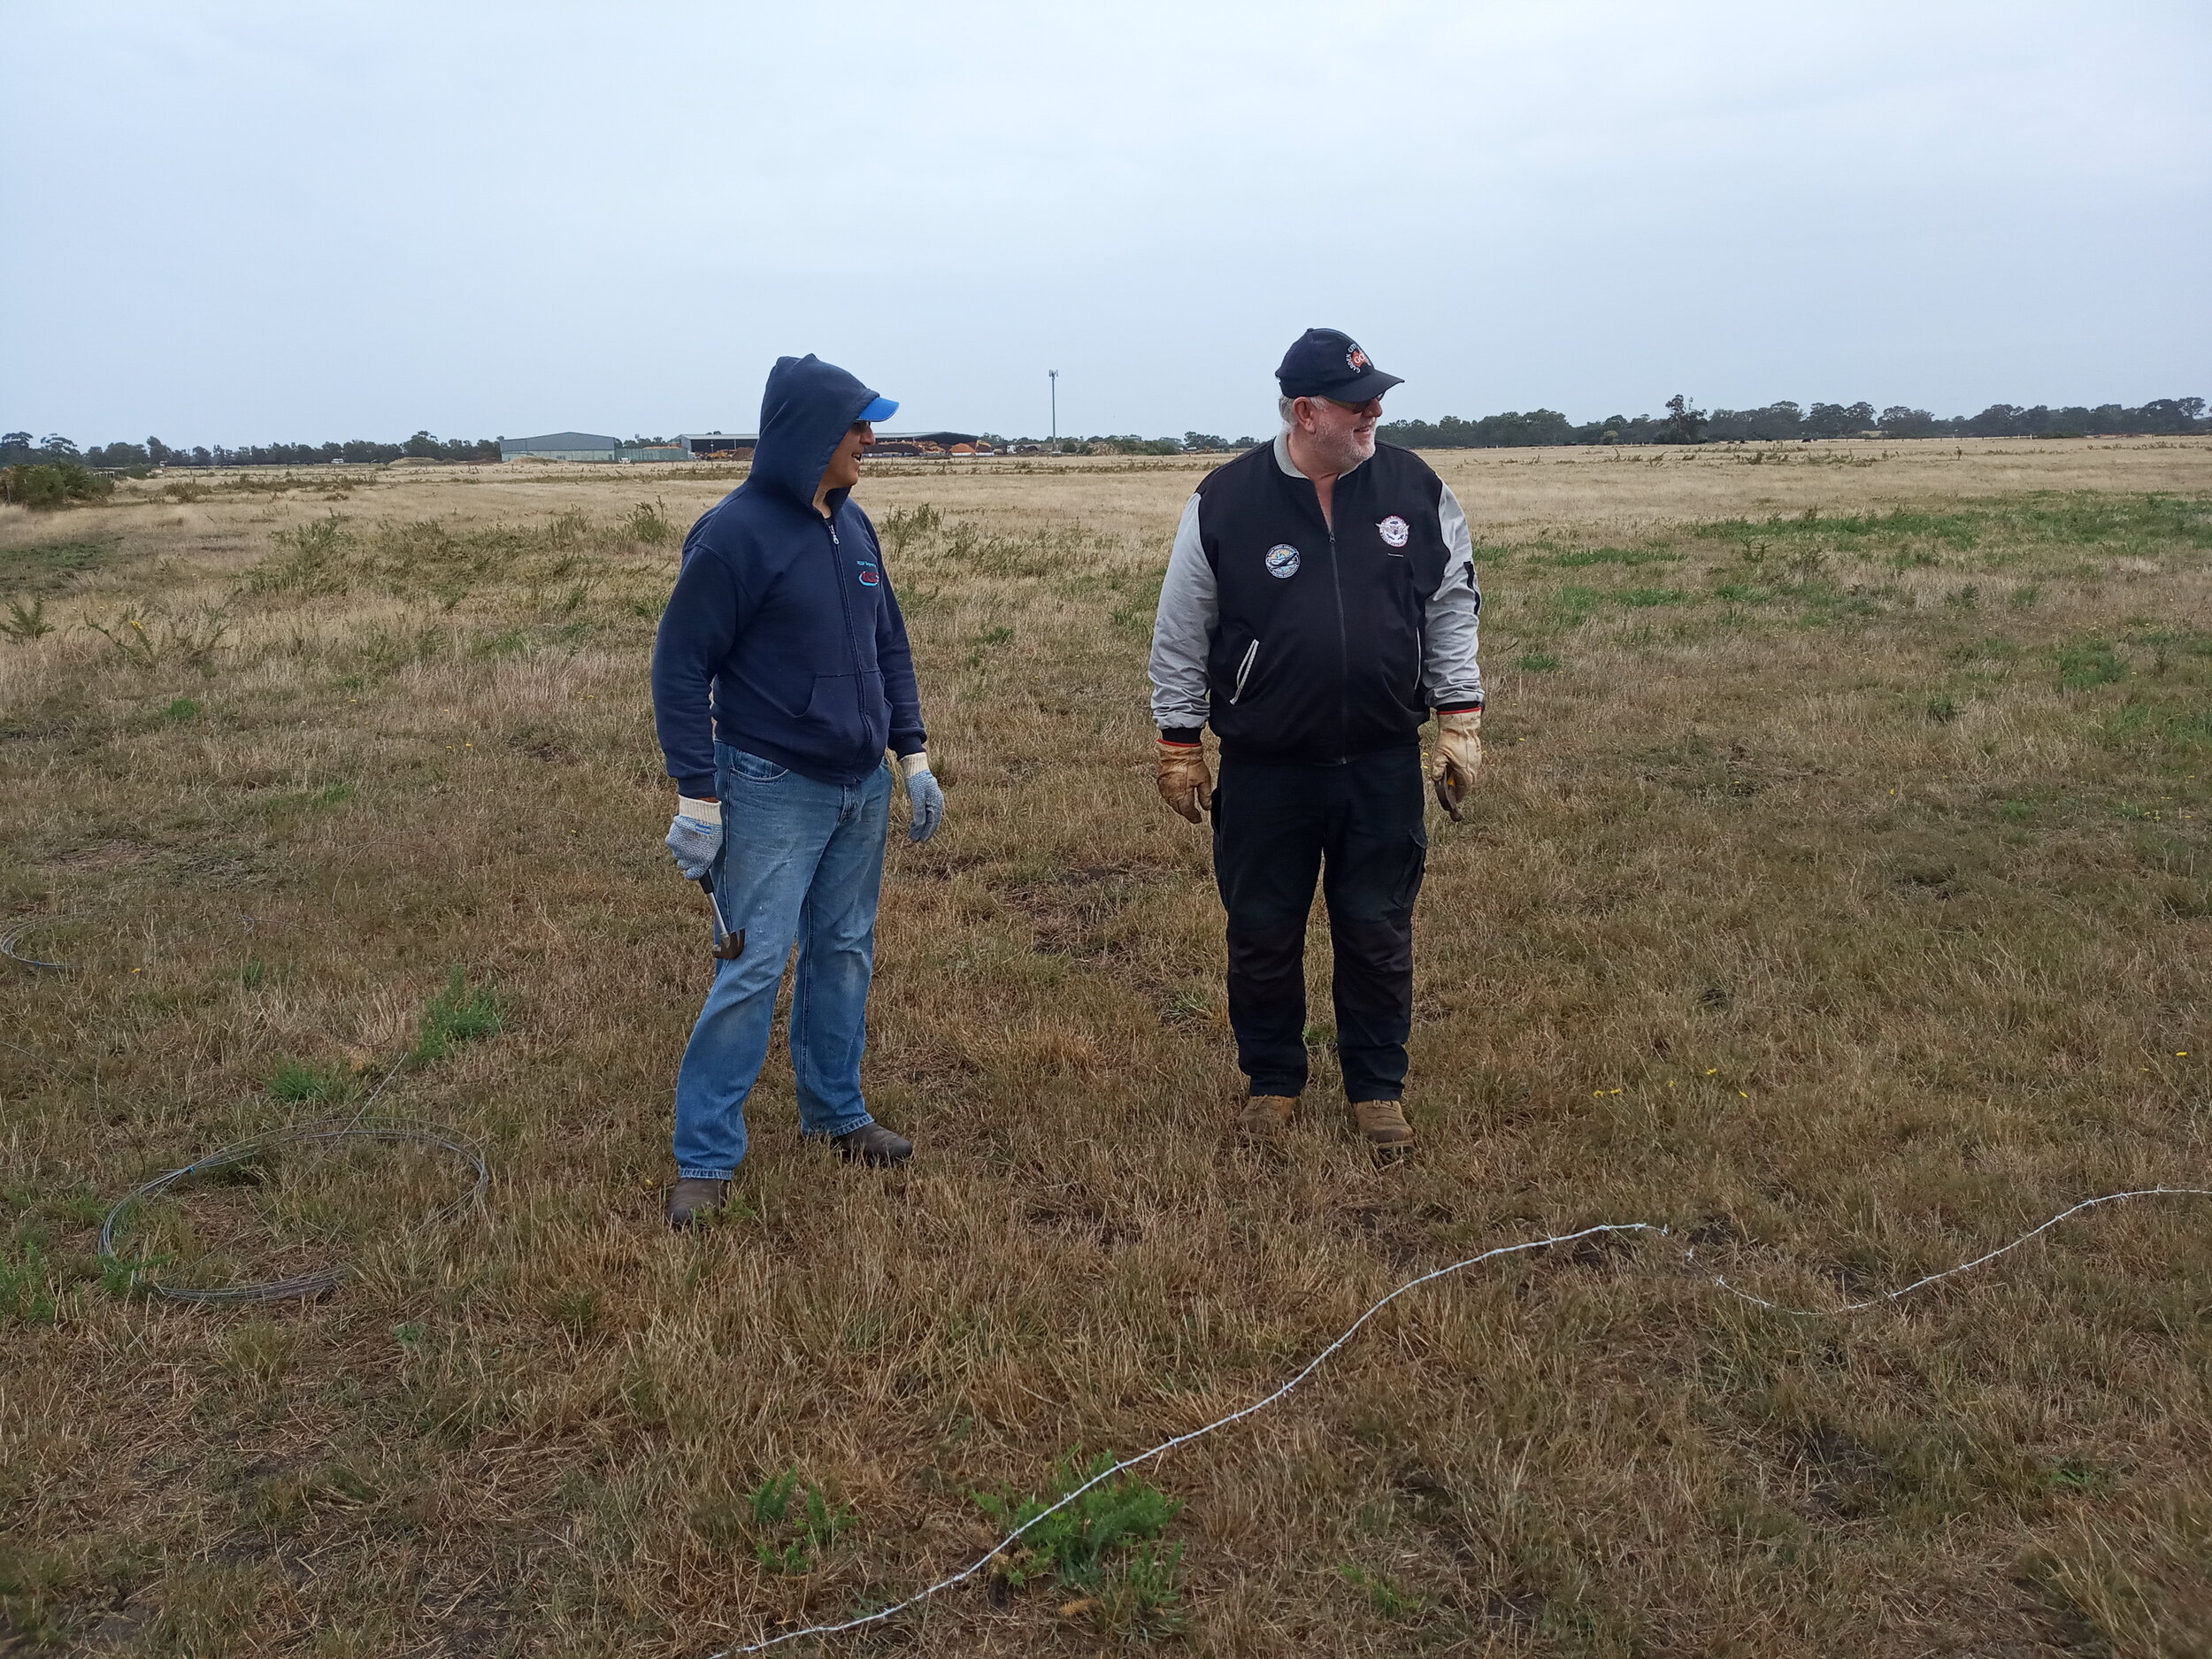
(788, 615)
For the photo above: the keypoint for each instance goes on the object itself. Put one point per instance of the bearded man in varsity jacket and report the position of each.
(1320, 603)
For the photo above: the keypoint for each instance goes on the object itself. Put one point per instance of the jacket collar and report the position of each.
(1283, 460)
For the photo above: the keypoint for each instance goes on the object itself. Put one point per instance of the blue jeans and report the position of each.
(801, 863)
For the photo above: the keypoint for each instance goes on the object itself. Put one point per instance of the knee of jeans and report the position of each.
(842, 926)
(838, 955)
(745, 976)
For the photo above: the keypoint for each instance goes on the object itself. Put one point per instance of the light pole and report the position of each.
(1054, 375)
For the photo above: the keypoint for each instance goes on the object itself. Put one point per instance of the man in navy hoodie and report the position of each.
(780, 676)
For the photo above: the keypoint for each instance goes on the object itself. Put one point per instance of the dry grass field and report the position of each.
(1837, 893)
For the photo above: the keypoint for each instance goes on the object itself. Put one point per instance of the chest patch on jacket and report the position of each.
(1395, 530)
(1282, 560)
(869, 576)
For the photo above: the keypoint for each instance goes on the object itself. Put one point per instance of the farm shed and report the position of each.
(586, 446)
(560, 446)
(697, 445)
(930, 444)
(701, 444)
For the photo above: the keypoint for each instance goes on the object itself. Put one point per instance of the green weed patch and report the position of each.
(1074, 1544)
(52, 566)
(1582, 558)
(299, 1083)
(795, 1523)
(2088, 663)
(460, 1013)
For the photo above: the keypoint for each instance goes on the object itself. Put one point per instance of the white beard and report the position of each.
(1341, 454)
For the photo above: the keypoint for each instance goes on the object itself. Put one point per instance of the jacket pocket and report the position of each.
(1276, 691)
(1244, 670)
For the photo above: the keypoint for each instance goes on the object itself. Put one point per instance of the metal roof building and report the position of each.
(707, 443)
(560, 446)
(585, 446)
(697, 446)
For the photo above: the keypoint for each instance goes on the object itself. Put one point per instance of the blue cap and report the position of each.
(1325, 363)
(882, 409)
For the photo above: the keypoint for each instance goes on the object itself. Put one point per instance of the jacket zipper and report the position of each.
(1343, 652)
(1244, 670)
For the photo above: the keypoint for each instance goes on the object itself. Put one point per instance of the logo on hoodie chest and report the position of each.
(869, 574)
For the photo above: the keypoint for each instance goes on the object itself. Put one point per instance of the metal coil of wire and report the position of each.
(323, 1278)
(21, 930)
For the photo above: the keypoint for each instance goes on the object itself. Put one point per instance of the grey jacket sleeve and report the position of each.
(1183, 631)
(1450, 676)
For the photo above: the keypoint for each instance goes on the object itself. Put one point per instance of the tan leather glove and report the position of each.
(1185, 783)
(1458, 758)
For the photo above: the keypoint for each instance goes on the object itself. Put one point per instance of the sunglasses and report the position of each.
(1372, 406)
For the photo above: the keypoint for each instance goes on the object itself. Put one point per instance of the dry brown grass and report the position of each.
(1838, 893)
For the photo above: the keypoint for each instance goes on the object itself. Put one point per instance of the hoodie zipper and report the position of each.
(845, 605)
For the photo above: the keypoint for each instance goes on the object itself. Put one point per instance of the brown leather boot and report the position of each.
(1265, 1116)
(1382, 1123)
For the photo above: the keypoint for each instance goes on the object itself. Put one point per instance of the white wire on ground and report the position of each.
(1892, 1295)
(1311, 1366)
(1350, 1331)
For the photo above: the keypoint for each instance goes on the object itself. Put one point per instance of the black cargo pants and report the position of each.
(1357, 824)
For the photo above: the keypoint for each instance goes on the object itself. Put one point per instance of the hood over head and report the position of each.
(806, 412)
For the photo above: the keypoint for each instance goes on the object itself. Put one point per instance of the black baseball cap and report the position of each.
(1324, 363)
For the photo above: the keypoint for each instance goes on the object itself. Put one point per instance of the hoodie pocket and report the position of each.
(844, 714)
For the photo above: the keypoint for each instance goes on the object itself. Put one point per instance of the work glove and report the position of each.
(695, 836)
(1185, 784)
(924, 796)
(1458, 757)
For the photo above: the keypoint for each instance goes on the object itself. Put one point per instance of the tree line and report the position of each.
(1681, 423)
(1780, 422)
(18, 448)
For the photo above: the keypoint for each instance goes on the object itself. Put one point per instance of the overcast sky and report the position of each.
(231, 223)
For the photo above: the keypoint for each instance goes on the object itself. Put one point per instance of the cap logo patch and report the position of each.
(868, 576)
(1357, 361)
(1393, 530)
(1282, 560)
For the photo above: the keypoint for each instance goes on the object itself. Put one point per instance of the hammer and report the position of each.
(728, 946)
